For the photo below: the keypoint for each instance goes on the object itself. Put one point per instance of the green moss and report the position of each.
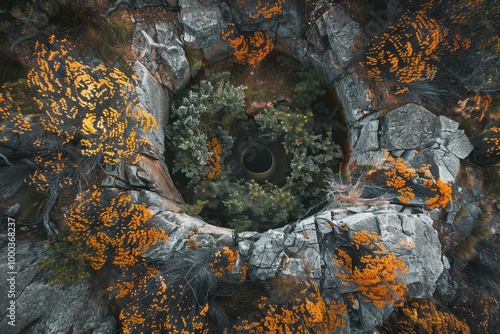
(65, 263)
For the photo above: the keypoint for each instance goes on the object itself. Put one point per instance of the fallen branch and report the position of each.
(20, 40)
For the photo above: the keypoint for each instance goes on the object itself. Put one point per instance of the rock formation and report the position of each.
(306, 248)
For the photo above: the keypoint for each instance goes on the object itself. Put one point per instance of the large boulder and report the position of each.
(424, 138)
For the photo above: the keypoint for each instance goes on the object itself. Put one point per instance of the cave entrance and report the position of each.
(257, 160)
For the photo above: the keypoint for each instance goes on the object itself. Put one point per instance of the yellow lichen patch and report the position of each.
(12, 121)
(50, 173)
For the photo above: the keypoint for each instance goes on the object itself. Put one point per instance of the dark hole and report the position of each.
(257, 160)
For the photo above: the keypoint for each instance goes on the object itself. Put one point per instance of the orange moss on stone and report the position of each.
(304, 311)
(95, 105)
(112, 227)
(377, 273)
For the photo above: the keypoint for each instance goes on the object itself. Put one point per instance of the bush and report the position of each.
(207, 111)
(249, 205)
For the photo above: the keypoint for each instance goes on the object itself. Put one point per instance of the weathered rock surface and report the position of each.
(203, 23)
(434, 140)
(162, 54)
(41, 308)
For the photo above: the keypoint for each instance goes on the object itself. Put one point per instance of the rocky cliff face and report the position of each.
(305, 249)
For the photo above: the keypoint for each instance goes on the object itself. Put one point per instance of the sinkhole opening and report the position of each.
(252, 145)
(258, 159)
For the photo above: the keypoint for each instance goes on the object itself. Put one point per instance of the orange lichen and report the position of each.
(422, 316)
(399, 173)
(50, 173)
(223, 262)
(112, 227)
(304, 311)
(253, 48)
(150, 303)
(96, 106)
(377, 274)
(215, 160)
(268, 10)
(443, 195)
(475, 107)
(410, 49)
(492, 140)
(12, 121)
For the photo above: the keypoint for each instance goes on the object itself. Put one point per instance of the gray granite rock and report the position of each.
(343, 35)
(368, 137)
(154, 100)
(409, 126)
(174, 66)
(145, 47)
(41, 308)
(203, 23)
(438, 140)
(266, 255)
(402, 234)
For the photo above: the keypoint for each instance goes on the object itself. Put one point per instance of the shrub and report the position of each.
(310, 152)
(249, 205)
(209, 127)
(201, 118)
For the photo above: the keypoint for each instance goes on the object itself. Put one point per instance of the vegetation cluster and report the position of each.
(208, 130)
